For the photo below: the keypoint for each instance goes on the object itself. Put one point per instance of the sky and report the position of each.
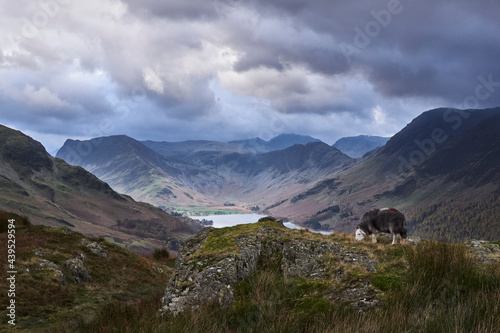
(174, 70)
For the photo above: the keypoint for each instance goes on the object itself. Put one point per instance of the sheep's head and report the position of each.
(360, 234)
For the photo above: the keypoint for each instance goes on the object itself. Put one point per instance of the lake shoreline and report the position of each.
(222, 221)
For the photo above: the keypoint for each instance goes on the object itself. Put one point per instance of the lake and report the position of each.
(221, 221)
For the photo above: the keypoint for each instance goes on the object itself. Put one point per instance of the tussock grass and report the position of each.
(433, 287)
(43, 300)
(440, 288)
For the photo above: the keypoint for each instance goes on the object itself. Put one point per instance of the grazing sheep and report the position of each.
(385, 220)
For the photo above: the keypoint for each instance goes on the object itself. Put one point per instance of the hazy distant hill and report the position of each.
(51, 192)
(204, 173)
(444, 158)
(184, 149)
(279, 142)
(357, 146)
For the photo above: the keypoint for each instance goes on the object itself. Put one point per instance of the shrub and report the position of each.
(161, 254)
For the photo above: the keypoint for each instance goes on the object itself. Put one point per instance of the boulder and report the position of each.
(78, 270)
(43, 264)
(94, 248)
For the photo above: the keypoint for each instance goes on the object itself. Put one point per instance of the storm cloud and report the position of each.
(230, 69)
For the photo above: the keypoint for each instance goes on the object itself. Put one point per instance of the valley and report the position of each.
(441, 170)
(206, 174)
(443, 156)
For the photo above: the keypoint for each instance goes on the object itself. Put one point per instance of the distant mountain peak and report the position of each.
(357, 146)
(279, 142)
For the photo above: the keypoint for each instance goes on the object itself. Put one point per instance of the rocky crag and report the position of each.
(214, 261)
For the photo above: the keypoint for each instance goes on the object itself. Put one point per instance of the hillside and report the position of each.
(64, 278)
(263, 277)
(209, 175)
(51, 192)
(134, 169)
(443, 156)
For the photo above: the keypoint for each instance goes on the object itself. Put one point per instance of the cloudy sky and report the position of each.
(174, 70)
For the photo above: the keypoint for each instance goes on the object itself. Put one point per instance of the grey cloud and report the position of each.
(94, 57)
(181, 10)
(420, 52)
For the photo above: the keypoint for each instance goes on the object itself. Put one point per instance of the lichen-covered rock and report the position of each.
(42, 264)
(38, 253)
(360, 297)
(212, 262)
(484, 251)
(78, 270)
(94, 248)
(414, 240)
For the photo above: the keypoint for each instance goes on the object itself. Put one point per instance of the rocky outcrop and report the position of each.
(484, 251)
(94, 247)
(214, 261)
(43, 264)
(78, 270)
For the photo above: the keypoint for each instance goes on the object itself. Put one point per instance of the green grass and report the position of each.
(433, 287)
(222, 241)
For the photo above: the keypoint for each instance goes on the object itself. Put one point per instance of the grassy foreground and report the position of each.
(47, 295)
(433, 287)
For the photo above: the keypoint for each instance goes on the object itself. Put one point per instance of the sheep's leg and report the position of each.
(374, 238)
(394, 238)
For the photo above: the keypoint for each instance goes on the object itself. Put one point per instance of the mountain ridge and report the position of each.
(279, 142)
(208, 175)
(54, 193)
(442, 156)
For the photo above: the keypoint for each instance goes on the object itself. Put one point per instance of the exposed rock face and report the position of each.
(207, 274)
(484, 251)
(49, 265)
(94, 248)
(78, 270)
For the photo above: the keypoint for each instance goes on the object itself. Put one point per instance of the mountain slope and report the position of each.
(132, 168)
(189, 150)
(442, 156)
(64, 277)
(182, 150)
(283, 141)
(51, 192)
(357, 146)
(204, 173)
